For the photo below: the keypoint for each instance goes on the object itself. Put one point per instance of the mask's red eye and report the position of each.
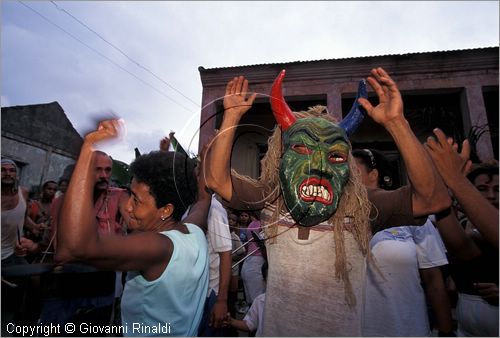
(337, 158)
(301, 149)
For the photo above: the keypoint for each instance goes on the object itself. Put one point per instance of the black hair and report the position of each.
(254, 213)
(170, 177)
(483, 169)
(374, 159)
(47, 183)
(63, 179)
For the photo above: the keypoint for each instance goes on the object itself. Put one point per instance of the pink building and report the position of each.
(456, 91)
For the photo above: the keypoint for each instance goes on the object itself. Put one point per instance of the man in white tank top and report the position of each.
(13, 213)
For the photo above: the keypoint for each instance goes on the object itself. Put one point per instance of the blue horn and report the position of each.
(357, 113)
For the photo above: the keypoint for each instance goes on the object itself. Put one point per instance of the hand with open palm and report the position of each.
(390, 107)
(237, 100)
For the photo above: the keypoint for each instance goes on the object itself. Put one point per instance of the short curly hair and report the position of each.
(488, 168)
(170, 177)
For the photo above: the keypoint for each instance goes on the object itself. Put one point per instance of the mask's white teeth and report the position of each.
(304, 191)
(315, 191)
(326, 195)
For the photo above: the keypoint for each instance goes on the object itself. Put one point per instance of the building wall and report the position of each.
(41, 139)
(37, 164)
(466, 71)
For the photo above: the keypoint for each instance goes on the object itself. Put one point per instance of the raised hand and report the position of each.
(107, 130)
(236, 100)
(464, 154)
(444, 152)
(390, 107)
(452, 166)
(164, 144)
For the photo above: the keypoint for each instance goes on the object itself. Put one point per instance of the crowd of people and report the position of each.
(323, 243)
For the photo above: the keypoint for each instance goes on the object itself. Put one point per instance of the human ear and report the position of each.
(167, 211)
(373, 176)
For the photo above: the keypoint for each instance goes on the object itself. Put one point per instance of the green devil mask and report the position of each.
(314, 168)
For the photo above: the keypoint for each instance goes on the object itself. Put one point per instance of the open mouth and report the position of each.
(316, 189)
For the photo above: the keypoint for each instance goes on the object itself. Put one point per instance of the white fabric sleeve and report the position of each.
(431, 251)
(252, 316)
(218, 228)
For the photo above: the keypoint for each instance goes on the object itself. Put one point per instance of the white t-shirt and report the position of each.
(12, 226)
(304, 297)
(255, 315)
(395, 302)
(218, 238)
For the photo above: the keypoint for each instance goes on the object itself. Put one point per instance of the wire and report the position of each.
(123, 53)
(105, 57)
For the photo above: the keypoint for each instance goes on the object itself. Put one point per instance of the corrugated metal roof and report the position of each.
(349, 58)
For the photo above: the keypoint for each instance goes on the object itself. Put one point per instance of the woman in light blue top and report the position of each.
(168, 279)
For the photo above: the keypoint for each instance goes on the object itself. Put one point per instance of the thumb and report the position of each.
(251, 98)
(365, 104)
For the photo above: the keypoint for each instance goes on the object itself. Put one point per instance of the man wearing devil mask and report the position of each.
(318, 215)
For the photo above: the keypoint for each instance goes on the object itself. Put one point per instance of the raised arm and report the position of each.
(77, 223)
(236, 104)
(198, 212)
(429, 194)
(456, 240)
(450, 163)
(164, 144)
(77, 235)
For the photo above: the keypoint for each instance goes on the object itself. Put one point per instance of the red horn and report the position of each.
(282, 112)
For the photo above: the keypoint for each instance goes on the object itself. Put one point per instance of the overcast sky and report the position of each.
(55, 51)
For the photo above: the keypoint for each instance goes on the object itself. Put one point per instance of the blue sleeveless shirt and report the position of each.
(171, 305)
